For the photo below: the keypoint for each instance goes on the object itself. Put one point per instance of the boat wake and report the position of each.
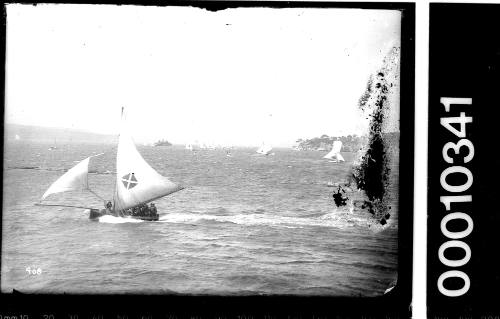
(337, 219)
(118, 220)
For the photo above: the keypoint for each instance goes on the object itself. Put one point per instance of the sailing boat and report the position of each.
(54, 147)
(265, 149)
(137, 183)
(189, 147)
(17, 137)
(335, 153)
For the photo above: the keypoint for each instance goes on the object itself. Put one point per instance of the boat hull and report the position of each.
(96, 213)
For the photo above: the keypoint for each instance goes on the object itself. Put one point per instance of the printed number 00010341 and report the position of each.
(456, 236)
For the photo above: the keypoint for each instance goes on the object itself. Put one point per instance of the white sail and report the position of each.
(74, 179)
(267, 128)
(136, 181)
(335, 152)
(17, 137)
(264, 149)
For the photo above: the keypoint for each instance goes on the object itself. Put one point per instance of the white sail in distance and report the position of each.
(264, 149)
(267, 129)
(136, 181)
(335, 152)
(74, 179)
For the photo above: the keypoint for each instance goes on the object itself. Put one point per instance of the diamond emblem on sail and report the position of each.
(129, 181)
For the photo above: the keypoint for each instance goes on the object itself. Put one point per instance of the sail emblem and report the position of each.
(129, 181)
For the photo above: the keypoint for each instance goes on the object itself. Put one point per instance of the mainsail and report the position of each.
(335, 152)
(74, 179)
(136, 181)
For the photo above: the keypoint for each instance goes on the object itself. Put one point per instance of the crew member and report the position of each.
(108, 207)
(152, 208)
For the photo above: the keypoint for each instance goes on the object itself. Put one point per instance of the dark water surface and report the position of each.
(245, 224)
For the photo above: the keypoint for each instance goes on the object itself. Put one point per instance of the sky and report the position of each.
(233, 77)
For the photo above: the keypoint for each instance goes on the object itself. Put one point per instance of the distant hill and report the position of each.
(350, 143)
(50, 135)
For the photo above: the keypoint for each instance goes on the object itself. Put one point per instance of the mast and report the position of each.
(116, 162)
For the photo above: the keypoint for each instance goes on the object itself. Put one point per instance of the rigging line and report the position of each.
(115, 189)
(95, 194)
(60, 205)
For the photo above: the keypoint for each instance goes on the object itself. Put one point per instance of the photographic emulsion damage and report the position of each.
(225, 152)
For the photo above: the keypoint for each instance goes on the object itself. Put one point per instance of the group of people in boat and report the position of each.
(143, 210)
(140, 210)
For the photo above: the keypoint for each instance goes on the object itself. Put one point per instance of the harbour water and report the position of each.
(244, 224)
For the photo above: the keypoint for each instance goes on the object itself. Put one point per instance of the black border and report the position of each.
(464, 62)
(395, 304)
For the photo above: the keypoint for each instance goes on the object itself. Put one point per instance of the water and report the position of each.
(245, 224)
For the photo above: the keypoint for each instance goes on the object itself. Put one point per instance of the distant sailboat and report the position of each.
(137, 183)
(53, 147)
(334, 155)
(189, 147)
(17, 137)
(265, 149)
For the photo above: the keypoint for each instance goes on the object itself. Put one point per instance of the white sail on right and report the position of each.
(136, 181)
(335, 152)
(74, 179)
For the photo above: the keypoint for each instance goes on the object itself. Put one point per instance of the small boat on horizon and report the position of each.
(265, 149)
(53, 147)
